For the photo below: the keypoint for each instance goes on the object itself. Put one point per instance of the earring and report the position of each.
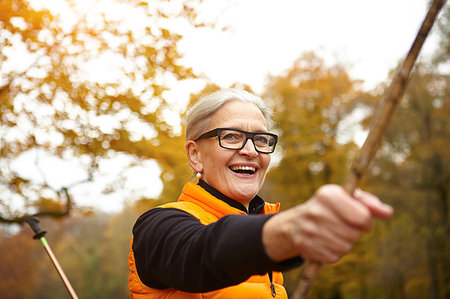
(198, 175)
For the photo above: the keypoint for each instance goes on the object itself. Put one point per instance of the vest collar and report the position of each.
(256, 205)
(221, 206)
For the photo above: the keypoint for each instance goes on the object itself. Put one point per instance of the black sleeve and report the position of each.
(173, 249)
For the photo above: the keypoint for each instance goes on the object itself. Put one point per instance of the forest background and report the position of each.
(67, 132)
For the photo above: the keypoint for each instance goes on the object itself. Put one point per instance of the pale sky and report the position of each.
(266, 36)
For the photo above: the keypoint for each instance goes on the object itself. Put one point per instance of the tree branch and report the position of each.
(56, 214)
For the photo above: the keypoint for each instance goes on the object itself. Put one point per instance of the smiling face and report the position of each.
(238, 174)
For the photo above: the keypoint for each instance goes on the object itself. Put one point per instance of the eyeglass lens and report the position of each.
(232, 139)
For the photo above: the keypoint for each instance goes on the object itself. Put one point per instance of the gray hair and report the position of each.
(199, 115)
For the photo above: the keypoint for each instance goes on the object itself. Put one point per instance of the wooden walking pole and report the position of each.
(378, 127)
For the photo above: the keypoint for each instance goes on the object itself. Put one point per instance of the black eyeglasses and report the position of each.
(236, 139)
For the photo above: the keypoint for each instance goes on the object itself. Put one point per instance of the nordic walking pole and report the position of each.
(378, 127)
(39, 234)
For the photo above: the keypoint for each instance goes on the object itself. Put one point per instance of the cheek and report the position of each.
(265, 162)
(214, 158)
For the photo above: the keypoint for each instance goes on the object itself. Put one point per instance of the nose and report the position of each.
(249, 149)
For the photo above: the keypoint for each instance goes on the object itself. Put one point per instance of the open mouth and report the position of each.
(243, 169)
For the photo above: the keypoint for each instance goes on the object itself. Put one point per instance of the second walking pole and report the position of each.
(39, 234)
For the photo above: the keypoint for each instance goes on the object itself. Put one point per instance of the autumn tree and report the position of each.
(18, 257)
(414, 159)
(58, 99)
(412, 172)
(310, 101)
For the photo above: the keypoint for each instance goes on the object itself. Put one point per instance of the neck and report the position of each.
(234, 203)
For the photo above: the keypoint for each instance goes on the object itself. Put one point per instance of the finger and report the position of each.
(327, 238)
(318, 250)
(345, 231)
(335, 244)
(328, 249)
(322, 254)
(332, 223)
(373, 203)
(345, 206)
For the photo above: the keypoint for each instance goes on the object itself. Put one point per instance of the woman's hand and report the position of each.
(325, 227)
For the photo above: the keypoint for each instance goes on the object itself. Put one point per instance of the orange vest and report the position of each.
(207, 209)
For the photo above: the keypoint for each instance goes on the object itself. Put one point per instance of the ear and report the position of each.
(194, 157)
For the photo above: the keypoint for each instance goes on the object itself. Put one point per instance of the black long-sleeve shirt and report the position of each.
(172, 249)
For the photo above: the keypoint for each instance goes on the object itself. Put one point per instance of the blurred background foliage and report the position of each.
(52, 103)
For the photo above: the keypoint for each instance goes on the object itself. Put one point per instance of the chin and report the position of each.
(243, 189)
(246, 193)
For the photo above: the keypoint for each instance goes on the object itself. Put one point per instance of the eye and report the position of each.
(261, 139)
(231, 137)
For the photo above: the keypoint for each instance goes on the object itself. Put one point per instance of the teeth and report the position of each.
(243, 168)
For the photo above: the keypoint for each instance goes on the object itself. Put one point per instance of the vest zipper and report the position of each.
(272, 286)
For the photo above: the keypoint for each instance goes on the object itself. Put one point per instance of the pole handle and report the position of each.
(34, 224)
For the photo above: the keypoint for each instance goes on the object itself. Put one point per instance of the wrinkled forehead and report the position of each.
(240, 115)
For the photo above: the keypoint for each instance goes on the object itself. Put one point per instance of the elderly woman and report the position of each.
(220, 239)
